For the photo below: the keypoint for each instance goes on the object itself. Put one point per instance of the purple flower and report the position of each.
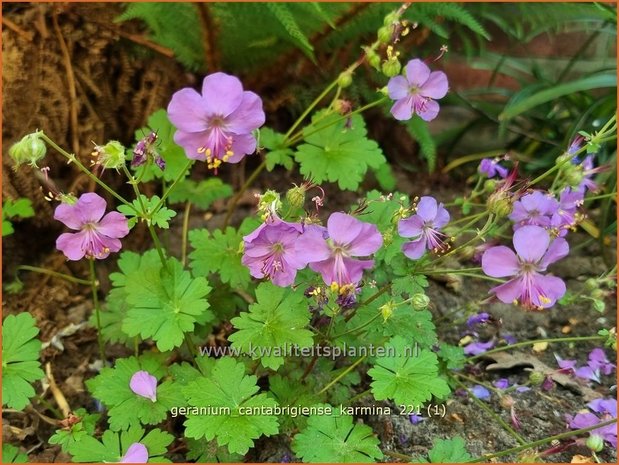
(565, 216)
(424, 226)
(575, 145)
(480, 392)
(270, 251)
(477, 319)
(476, 348)
(414, 93)
(137, 453)
(144, 384)
(535, 208)
(528, 286)
(491, 168)
(415, 419)
(97, 235)
(145, 149)
(598, 361)
(509, 338)
(588, 172)
(606, 409)
(587, 372)
(566, 366)
(502, 383)
(330, 251)
(216, 125)
(604, 406)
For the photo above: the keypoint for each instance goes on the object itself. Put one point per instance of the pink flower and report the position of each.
(330, 251)
(144, 384)
(137, 453)
(414, 92)
(534, 252)
(216, 126)
(98, 235)
(424, 227)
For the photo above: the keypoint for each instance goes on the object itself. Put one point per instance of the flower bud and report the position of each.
(599, 305)
(374, 60)
(385, 34)
(420, 301)
(490, 185)
(507, 402)
(344, 79)
(387, 237)
(598, 294)
(573, 175)
(591, 284)
(30, 149)
(387, 310)
(536, 378)
(296, 196)
(110, 155)
(270, 202)
(595, 443)
(390, 18)
(500, 204)
(391, 67)
(564, 158)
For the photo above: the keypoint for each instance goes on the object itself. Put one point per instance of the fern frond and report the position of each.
(451, 12)
(282, 13)
(418, 128)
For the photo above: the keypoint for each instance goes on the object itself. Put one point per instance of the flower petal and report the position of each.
(417, 72)
(312, 247)
(436, 86)
(559, 248)
(442, 216)
(187, 112)
(415, 249)
(509, 291)
(531, 242)
(411, 227)
(427, 208)
(137, 453)
(398, 87)
(499, 261)
(191, 142)
(114, 225)
(360, 238)
(429, 110)
(222, 93)
(144, 384)
(242, 145)
(548, 289)
(91, 207)
(68, 215)
(402, 110)
(70, 244)
(248, 116)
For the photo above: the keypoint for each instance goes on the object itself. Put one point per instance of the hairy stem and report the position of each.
(95, 302)
(55, 274)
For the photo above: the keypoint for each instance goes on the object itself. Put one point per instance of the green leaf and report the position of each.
(407, 286)
(202, 194)
(158, 215)
(11, 454)
(7, 228)
(278, 153)
(416, 325)
(85, 426)
(449, 451)
(453, 356)
(174, 155)
(20, 208)
(203, 451)
(277, 320)
(335, 153)
(20, 360)
(596, 81)
(384, 176)
(114, 445)
(126, 408)
(218, 251)
(165, 303)
(336, 439)
(410, 377)
(229, 387)
(419, 130)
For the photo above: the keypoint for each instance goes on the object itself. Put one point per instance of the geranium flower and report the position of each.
(144, 384)
(565, 217)
(598, 361)
(606, 409)
(216, 126)
(476, 348)
(269, 251)
(98, 235)
(424, 226)
(535, 208)
(414, 92)
(137, 453)
(534, 252)
(330, 251)
(480, 392)
(491, 168)
(477, 319)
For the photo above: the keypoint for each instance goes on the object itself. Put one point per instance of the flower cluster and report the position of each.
(601, 410)
(597, 364)
(216, 126)
(425, 229)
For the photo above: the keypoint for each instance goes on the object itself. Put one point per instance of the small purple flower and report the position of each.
(575, 145)
(535, 252)
(588, 172)
(414, 92)
(476, 348)
(480, 392)
(502, 383)
(587, 372)
(270, 251)
(535, 208)
(145, 149)
(137, 453)
(548, 384)
(97, 235)
(424, 227)
(604, 406)
(491, 168)
(478, 319)
(144, 384)
(216, 125)
(606, 410)
(598, 361)
(565, 217)
(415, 419)
(566, 366)
(330, 251)
(510, 339)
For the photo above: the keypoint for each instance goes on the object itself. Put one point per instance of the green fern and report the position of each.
(418, 128)
(283, 14)
(172, 25)
(427, 14)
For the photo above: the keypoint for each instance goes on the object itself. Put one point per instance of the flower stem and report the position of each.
(185, 230)
(353, 330)
(369, 300)
(341, 375)
(237, 197)
(169, 190)
(308, 110)
(73, 159)
(535, 341)
(95, 302)
(67, 277)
